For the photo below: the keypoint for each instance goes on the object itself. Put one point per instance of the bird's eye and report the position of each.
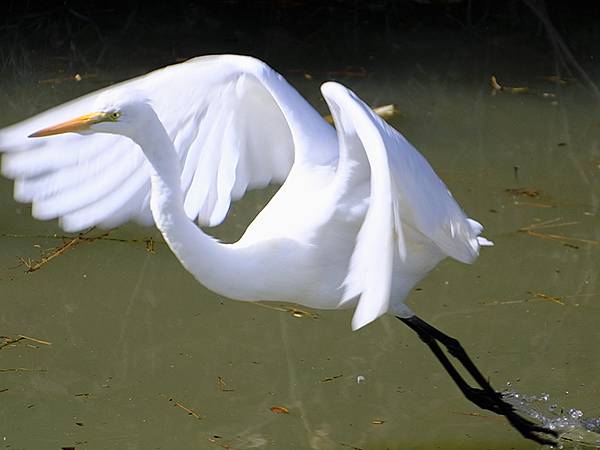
(115, 115)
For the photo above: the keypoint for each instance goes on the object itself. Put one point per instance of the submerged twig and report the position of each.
(530, 194)
(221, 385)
(350, 446)
(149, 242)
(22, 369)
(497, 87)
(32, 265)
(21, 337)
(559, 237)
(535, 204)
(550, 298)
(562, 300)
(552, 223)
(294, 311)
(187, 409)
(530, 230)
(328, 379)
(213, 440)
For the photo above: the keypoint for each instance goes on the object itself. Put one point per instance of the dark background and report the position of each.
(336, 35)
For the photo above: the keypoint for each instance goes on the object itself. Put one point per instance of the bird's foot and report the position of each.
(492, 401)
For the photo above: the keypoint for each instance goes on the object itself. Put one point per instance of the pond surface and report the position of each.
(128, 351)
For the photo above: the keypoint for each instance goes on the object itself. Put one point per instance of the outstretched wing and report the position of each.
(235, 123)
(404, 191)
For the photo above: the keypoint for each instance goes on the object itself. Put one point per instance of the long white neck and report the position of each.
(212, 263)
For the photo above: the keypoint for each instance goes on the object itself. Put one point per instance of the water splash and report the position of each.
(576, 431)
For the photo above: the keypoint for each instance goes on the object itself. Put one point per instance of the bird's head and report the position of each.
(114, 112)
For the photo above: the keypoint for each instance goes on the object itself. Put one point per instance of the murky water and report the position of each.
(143, 357)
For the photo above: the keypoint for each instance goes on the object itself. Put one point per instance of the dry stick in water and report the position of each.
(553, 223)
(213, 440)
(22, 369)
(190, 411)
(21, 337)
(32, 265)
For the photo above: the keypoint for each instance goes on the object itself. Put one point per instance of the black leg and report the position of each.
(485, 396)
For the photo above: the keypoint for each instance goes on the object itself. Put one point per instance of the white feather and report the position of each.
(404, 191)
(360, 218)
(213, 108)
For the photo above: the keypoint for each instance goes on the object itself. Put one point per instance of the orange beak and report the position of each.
(80, 123)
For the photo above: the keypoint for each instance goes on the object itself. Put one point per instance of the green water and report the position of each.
(137, 344)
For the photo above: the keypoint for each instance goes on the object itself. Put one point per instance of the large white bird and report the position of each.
(361, 216)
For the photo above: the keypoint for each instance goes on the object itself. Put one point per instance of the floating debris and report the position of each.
(215, 440)
(150, 247)
(386, 112)
(7, 340)
(531, 230)
(188, 410)
(551, 223)
(550, 298)
(221, 385)
(328, 379)
(564, 300)
(497, 87)
(350, 446)
(298, 313)
(561, 238)
(280, 410)
(472, 414)
(293, 310)
(21, 369)
(523, 192)
(69, 242)
(46, 256)
(530, 194)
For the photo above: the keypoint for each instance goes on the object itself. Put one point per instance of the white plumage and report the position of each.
(360, 218)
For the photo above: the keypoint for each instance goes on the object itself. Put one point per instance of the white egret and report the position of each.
(361, 216)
